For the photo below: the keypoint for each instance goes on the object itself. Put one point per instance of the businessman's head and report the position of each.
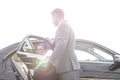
(57, 16)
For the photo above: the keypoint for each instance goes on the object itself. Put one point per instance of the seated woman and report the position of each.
(44, 70)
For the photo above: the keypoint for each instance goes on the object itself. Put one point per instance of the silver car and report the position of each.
(97, 62)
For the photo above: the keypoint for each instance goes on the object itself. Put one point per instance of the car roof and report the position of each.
(82, 42)
(5, 51)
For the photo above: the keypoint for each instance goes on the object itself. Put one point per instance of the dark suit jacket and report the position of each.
(63, 57)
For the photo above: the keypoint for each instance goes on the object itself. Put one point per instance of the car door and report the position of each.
(27, 50)
(95, 61)
(22, 71)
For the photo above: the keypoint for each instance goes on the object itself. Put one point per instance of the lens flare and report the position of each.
(42, 63)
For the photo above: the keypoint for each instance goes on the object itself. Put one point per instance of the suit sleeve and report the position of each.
(62, 38)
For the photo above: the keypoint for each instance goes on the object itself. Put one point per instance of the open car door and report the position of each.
(27, 51)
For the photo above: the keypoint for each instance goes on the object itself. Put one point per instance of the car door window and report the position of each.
(28, 51)
(93, 54)
(84, 56)
(103, 54)
(26, 47)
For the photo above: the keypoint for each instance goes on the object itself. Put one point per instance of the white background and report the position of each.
(95, 20)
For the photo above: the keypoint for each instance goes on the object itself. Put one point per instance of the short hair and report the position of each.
(58, 12)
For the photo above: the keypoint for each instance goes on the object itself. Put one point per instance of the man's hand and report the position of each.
(50, 40)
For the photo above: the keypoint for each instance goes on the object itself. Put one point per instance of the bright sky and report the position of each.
(95, 20)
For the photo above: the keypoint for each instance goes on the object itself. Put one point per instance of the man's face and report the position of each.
(55, 20)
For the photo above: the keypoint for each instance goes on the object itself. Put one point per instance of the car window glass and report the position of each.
(84, 56)
(104, 54)
(93, 54)
(26, 47)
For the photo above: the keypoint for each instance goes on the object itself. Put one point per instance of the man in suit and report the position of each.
(63, 57)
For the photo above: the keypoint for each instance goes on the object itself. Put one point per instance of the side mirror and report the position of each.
(116, 64)
(116, 58)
